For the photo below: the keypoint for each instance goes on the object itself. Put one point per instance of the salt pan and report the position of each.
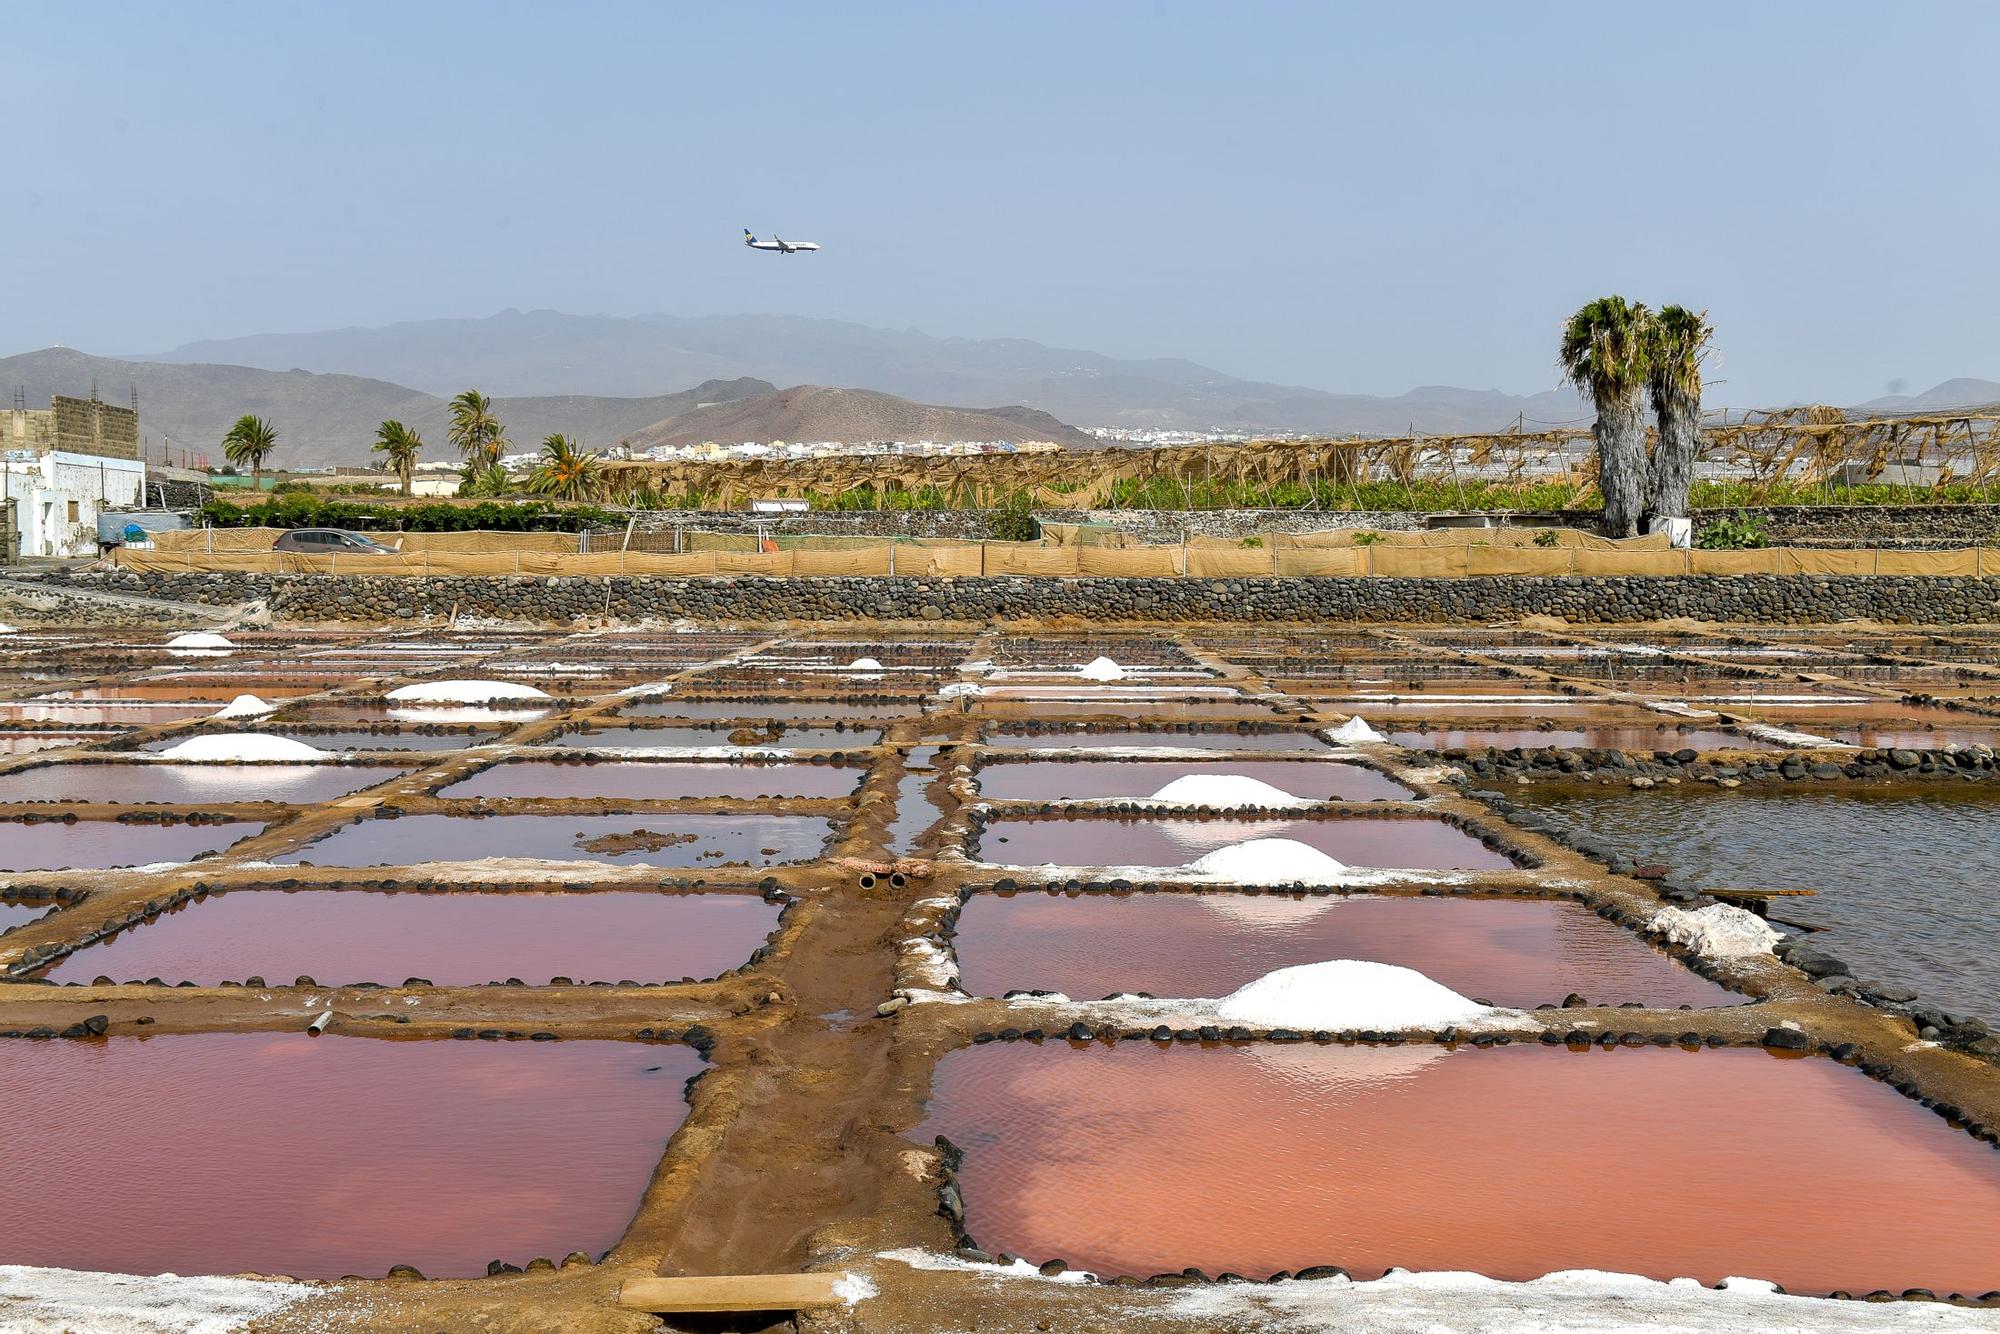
(1348, 993)
(1225, 790)
(1101, 669)
(242, 746)
(464, 692)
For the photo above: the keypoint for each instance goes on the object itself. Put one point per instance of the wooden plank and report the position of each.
(730, 1292)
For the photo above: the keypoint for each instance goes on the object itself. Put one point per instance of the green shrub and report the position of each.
(302, 510)
(1734, 532)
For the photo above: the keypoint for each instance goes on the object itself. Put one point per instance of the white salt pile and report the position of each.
(961, 690)
(47, 1301)
(1270, 861)
(1101, 669)
(864, 665)
(1355, 731)
(1225, 790)
(245, 706)
(242, 746)
(1348, 993)
(6, 629)
(464, 692)
(199, 639)
(1717, 931)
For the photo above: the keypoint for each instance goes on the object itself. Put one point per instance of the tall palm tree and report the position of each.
(475, 431)
(249, 441)
(401, 445)
(1678, 341)
(1604, 348)
(565, 471)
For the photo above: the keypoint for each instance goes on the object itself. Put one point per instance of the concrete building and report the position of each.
(62, 468)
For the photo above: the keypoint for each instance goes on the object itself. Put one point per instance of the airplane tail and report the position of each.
(748, 239)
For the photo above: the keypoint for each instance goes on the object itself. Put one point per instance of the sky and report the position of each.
(1360, 198)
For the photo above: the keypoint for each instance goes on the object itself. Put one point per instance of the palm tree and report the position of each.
(401, 445)
(247, 444)
(1678, 342)
(475, 431)
(564, 472)
(1603, 353)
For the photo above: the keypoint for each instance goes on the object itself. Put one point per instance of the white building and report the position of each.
(56, 497)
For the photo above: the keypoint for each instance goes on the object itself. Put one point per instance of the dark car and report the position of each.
(329, 542)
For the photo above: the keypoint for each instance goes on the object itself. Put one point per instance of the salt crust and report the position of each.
(1355, 731)
(1101, 669)
(63, 1301)
(6, 629)
(1270, 861)
(1224, 791)
(200, 639)
(464, 692)
(245, 706)
(1718, 931)
(252, 747)
(1348, 994)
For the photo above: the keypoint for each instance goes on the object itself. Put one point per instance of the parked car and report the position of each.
(330, 542)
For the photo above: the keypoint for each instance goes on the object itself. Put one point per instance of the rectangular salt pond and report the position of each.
(1511, 1162)
(362, 740)
(339, 937)
(118, 714)
(665, 840)
(659, 780)
(915, 813)
(190, 784)
(1135, 740)
(1409, 842)
(779, 711)
(695, 738)
(1611, 738)
(15, 912)
(283, 1154)
(27, 743)
(1070, 780)
(58, 845)
(1512, 952)
(1168, 710)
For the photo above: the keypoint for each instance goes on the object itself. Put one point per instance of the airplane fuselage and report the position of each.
(777, 243)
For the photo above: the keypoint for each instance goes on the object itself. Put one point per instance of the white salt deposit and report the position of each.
(1355, 731)
(864, 665)
(1718, 931)
(1101, 669)
(60, 1301)
(242, 746)
(1348, 993)
(245, 706)
(852, 1288)
(1269, 861)
(1225, 790)
(6, 629)
(961, 690)
(464, 692)
(199, 639)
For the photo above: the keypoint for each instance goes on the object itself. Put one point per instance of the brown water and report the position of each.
(1514, 952)
(719, 840)
(1909, 737)
(1513, 1162)
(27, 743)
(190, 784)
(1062, 780)
(184, 692)
(767, 710)
(915, 813)
(1611, 738)
(284, 1154)
(1167, 710)
(1226, 740)
(659, 781)
(789, 738)
(54, 845)
(343, 936)
(1411, 842)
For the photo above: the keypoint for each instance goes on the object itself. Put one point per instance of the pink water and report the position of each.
(1224, 740)
(26, 743)
(1614, 738)
(123, 715)
(719, 840)
(788, 738)
(1512, 1162)
(190, 784)
(1514, 952)
(659, 781)
(1413, 842)
(317, 1157)
(13, 912)
(1058, 780)
(342, 936)
(54, 845)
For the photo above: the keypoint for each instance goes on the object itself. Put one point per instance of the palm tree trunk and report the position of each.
(1671, 472)
(1621, 462)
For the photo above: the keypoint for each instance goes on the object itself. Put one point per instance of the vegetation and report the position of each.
(491, 480)
(301, 510)
(1547, 538)
(475, 432)
(399, 446)
(1604, 353)
(248, 443)
(1015, 520)
(565, 472)
(1734, 532)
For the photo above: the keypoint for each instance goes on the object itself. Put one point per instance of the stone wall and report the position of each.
(1916, 527)
(86, 426)
(1756, 599)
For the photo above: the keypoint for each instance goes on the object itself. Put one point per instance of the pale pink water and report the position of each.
(53, 845)
(1056, 780)
(1512, 1162)
(754, 840)
(190, 784)
(317, 1157)
(1416, 842)
(659, 780)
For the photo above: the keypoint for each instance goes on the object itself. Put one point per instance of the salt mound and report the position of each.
(1269, 861)
(199, 639)
(1225, 790)
(1101, 669)
(6, 629)
(245, 706)
(1355, 731)
(1348, 993)
(249, 746)
(1718, 931)
(864, 665)
(961, 690)
(464, 692)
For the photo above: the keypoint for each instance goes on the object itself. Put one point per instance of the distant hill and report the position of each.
(815, 412)
(546, 352)
(1960, 393)
(327, 419)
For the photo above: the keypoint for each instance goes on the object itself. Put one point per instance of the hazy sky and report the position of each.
(1353, 197)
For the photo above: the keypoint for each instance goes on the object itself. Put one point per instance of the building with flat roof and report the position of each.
(62, 468)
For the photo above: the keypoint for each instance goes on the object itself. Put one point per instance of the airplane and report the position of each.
(777, 243)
